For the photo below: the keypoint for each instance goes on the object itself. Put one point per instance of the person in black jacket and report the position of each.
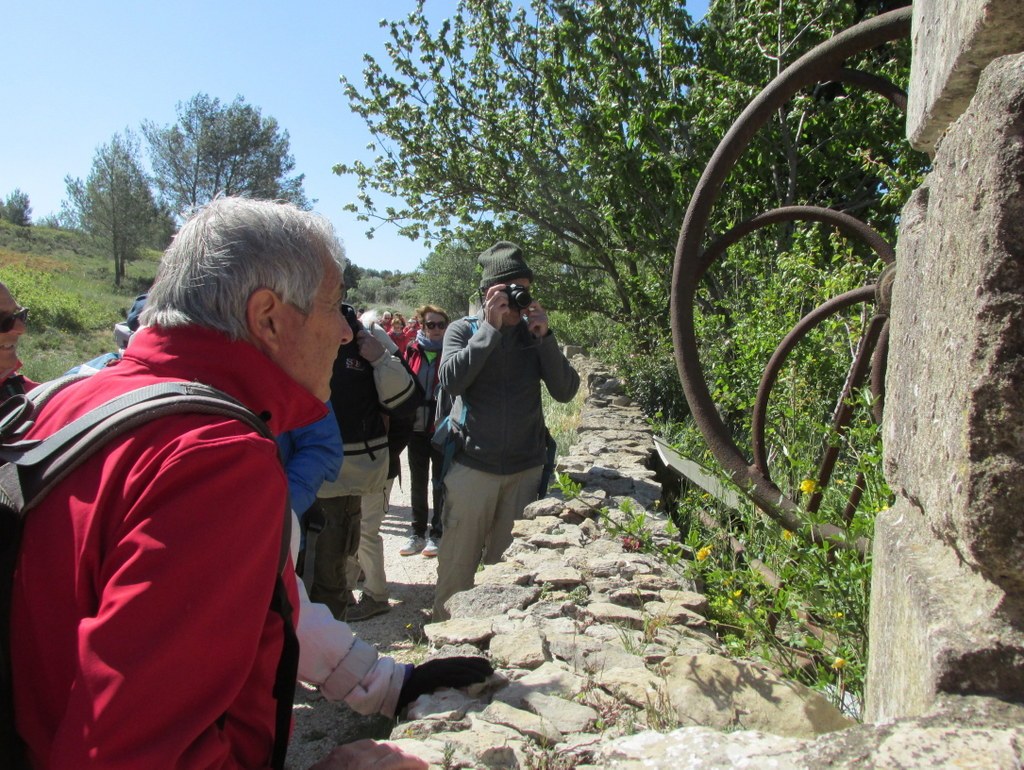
(367, 382)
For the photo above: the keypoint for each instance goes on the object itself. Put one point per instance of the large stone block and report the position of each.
(936, 625)
(954, 421)
(947, 611)
(954, 40)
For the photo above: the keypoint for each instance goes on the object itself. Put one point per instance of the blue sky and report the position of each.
(77, 72)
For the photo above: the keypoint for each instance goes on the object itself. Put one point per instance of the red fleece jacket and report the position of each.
(141, 635)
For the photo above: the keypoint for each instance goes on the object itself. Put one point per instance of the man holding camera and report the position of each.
(493, 367)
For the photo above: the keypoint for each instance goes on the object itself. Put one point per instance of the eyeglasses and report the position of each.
(435, 324)
(7, 320)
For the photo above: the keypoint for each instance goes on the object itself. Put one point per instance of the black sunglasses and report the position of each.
(7, 321)
(435, 324)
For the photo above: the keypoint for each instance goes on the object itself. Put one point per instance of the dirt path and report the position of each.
(319, 724)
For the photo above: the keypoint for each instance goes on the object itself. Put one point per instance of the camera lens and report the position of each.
(519, 296)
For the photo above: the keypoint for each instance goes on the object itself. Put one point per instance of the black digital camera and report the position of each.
(518, 296)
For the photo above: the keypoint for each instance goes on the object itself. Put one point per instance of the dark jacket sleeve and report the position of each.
(560, 378)
(465, 354)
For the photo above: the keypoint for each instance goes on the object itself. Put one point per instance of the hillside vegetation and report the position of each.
(66, 281)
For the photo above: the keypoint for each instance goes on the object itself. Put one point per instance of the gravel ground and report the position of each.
(320, 724)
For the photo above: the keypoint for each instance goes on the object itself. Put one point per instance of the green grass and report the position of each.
(563, 419)
(66, 280)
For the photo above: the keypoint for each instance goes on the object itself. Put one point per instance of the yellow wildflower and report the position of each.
(837, 614)
(704, 553)
(737, 594)
(787, 535)
(808, 486)
(838, 664)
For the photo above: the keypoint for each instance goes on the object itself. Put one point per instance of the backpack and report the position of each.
(446, 425)
(30, 469)
(451, 417)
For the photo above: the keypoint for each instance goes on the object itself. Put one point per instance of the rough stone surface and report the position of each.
(599, 682)
(947, 612)
(459, 631)
(724, 693)
(485, 601)
(519, 649)
(531, 725)
(567, 716)
(973, 732)
(953, 42)
(954, 428)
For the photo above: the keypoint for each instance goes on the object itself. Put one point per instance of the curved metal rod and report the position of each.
(839, 219)
(881, 86)
(844, 411)
(778, 359)
(879, 365)
(685, 275)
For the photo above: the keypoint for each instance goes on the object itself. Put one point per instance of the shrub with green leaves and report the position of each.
(52, 308)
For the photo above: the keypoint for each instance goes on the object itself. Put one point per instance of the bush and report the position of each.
(16, 209)
(54, 309)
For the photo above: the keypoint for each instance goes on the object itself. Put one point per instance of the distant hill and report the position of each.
(66, 280)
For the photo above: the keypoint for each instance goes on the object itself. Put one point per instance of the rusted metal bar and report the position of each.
(778, 359)
(881, 86)
(691, 262)
(844, 412)
(855, 494)
(838, 219)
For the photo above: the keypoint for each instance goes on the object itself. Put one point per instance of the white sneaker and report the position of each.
(431, 548)
(413, 545)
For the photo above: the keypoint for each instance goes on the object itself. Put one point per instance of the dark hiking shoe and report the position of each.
(365, 608)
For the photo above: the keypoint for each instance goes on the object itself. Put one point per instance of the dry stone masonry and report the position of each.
(947, 599)
(605, 658)
(593, 639)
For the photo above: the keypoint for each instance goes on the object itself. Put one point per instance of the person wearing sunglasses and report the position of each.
(13, 321)
(423, 355)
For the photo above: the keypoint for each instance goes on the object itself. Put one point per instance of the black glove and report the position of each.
(442, 672)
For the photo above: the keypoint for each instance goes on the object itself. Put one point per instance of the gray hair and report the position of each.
(232, 247)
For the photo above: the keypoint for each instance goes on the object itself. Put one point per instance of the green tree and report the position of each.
(560, 125)
(17, 209)
(448, 278)
(115, 203)
(216, 149)
(579, 129)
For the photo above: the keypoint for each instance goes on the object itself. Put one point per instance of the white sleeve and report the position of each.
(342, 666)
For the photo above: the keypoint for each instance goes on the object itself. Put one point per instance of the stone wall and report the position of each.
(605, 659)
(954, 40)
(947, 608)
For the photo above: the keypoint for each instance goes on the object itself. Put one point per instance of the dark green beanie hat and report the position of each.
(503, 262)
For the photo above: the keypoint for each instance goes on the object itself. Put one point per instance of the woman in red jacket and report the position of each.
(401, 333)
(423, 355)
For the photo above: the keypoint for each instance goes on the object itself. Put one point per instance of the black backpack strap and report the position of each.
(286, 675)
(43, 463)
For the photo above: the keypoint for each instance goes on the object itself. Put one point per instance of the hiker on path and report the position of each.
(495, 373)
(367, 381)
(424, 357)
(151, 613)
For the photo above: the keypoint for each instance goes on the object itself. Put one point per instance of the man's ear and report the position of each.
(263, 319)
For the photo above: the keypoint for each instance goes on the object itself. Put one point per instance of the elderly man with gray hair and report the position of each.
(150, 621)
